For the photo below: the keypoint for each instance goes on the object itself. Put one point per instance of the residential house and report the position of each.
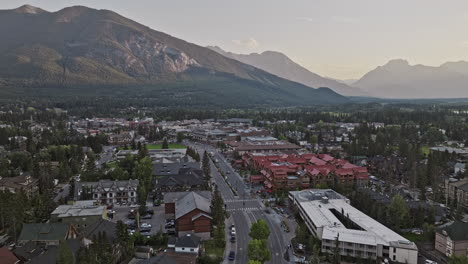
(107, 191)
(121, 139)
(188, 244)
(103, 228)
(47, 234)
(452, 239)
(24, 183)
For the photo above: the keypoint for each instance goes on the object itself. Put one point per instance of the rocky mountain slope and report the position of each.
(80, 47)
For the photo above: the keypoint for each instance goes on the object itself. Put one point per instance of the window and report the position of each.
(192, 249)
(183, 248)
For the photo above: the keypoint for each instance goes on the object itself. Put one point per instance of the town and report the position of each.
(317, 188)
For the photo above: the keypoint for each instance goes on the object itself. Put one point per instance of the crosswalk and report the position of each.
(239, 200)
(243, 209)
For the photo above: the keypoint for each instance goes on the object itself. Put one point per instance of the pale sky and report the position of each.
(341, 39)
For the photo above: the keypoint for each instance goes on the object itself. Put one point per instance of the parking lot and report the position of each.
(157, 221)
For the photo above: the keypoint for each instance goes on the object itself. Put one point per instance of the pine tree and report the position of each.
(65, 255)
(165, 145)
(206, 169)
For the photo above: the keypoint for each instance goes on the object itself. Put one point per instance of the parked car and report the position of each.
(145, 225)
(110, 206)
(150, 211)
(232, 256)
(233, 239)
(147, 216)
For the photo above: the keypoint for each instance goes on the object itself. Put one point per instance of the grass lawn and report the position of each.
(413, 237)
(171, 146)
(159, 146)
(213, 250)
(425, 150)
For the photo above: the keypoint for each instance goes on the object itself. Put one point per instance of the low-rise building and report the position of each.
(191, 212)
(329, 217)
(457, 191)
(7, 257)
(78, 215)
(24, 183)
(47, 234)
(107, 191)
(188, 244)
(452, 239)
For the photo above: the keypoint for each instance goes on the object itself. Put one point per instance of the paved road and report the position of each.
(62, 194)
(244, 211)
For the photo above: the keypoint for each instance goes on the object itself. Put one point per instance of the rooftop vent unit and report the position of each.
(324, 199)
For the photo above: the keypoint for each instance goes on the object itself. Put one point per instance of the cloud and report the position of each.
(307, 19)
(249, 43)
(344, 20)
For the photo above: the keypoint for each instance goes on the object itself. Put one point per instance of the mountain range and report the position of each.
(84, 51)
(279, 64)
(399, 79)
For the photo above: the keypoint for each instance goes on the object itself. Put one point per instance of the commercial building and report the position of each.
(191, 212)
(78, 215)
(281, 171)
(329, 217)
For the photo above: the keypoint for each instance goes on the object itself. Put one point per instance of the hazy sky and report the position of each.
(336, 38)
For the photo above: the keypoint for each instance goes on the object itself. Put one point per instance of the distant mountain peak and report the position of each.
(399, 79)
(29, 9)
(397, 62)
(281, 65)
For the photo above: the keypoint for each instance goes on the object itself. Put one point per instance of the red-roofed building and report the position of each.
(282, 172)
(7, 257)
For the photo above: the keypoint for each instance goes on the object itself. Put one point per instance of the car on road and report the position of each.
(133, 206)
(233, 239)
(110, 206)
(232, 255)
(233, 230)
(150, 211)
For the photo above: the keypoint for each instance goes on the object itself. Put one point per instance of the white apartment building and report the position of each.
(329, 217)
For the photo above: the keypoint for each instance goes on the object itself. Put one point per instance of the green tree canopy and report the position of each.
(259, 230)
(258, 250)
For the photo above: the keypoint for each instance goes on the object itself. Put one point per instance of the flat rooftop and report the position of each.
(323, 208)
(74, 210)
